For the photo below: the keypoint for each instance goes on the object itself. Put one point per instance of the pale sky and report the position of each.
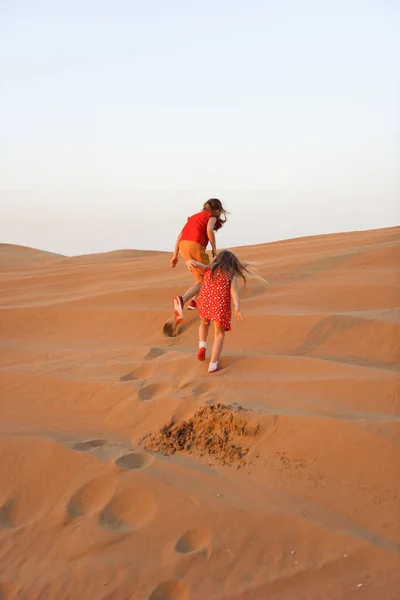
(119, 119)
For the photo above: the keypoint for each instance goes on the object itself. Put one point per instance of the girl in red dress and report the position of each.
(191, 244)
(214, 301)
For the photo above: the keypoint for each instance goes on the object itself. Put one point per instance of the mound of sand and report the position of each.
(118, 450)
(213, 430)
(114, 255)
(14, 257)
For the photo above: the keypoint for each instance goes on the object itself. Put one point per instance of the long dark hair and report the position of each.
(214, 206)
(229, 263)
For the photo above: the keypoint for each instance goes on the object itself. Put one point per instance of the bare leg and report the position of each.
(179, 301)
(203, 333)
(203, 330)
(199, 279)
(192, 292)
(219, 336)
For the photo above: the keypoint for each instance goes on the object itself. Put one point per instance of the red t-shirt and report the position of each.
(195, 229)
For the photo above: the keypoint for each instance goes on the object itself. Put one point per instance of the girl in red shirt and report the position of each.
(191, 244)
(214, 301)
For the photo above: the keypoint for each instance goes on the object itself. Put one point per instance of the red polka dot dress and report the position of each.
(214, 299)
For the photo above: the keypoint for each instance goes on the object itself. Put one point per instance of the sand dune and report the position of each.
(298, 497)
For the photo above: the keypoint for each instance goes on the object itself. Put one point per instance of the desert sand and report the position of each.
(120, 478)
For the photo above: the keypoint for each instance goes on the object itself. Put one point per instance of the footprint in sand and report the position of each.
(17, 512)
(201, 389)
(135, 460)
(141, 372)
(6, 515)
(174, 589)
(130, 509)
(91, 497)
(148, 392)
(88, 445)
(8, 590)
(193, 541)
(154, 353)
(127, 377)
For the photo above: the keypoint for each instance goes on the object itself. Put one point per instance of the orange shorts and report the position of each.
(193, 251)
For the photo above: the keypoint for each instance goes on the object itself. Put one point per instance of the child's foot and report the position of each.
(192, 305)
(201, 355)
(178, 303)
(213, 368)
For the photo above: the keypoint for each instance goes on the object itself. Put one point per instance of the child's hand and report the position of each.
(190, 264)
(174, 261)
(238, 315)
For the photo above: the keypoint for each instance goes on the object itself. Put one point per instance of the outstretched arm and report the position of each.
(211, 234)
(174, 259)
(194, 264)
(236, 299)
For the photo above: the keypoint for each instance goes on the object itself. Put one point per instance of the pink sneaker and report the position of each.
(201, 355)
(192, 305)
(178, 303)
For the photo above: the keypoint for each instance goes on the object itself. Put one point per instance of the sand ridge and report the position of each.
(88, 509)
